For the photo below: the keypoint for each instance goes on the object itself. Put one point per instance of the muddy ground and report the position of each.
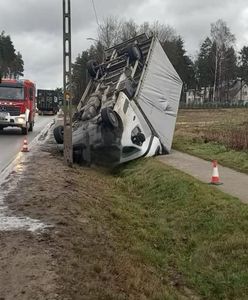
(75, 255)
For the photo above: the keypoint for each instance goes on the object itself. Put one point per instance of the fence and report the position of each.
(213, 105)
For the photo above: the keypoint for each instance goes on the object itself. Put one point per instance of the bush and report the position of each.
(232, 138)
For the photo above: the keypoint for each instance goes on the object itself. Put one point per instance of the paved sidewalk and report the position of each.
(234, 183)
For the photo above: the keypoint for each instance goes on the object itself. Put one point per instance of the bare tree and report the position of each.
(129, 29)
(162, 31)
(113, 30)
(145, 28)
(223, 39)
(109, 32)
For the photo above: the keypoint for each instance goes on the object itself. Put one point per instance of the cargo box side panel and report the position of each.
(159, 95)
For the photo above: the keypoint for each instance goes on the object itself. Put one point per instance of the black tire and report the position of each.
(1, 127)
(92, 67)
(109, 117)
(134, 53)
(31, 126)
(58, 133)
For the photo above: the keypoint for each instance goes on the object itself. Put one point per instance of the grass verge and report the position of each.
(237, 160)
(220, 134)
(191, 237)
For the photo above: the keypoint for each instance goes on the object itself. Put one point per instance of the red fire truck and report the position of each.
(17, 104)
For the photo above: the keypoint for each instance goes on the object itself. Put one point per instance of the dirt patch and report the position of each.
(77, 255)
(26, 267)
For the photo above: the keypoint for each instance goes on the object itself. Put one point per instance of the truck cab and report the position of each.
(17, 104)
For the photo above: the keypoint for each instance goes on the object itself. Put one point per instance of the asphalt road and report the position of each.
(11, 140)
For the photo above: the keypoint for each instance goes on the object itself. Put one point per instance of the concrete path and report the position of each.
(234, 183)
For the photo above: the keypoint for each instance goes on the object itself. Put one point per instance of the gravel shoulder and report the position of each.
(71, 253)
(44, 263)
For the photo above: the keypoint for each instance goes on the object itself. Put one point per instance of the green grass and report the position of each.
(214, 134)
(191, 234)
(237, 160)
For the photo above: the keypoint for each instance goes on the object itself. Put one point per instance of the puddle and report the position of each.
(16, 223)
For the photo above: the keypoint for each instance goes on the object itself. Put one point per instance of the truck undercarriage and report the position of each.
(112, 124)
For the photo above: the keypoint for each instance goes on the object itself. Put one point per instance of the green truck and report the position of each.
(48, 101)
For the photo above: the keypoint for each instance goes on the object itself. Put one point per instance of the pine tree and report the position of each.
(243, 64)
(181, 62)
(17, 66)
(11, 64)
(205, 64)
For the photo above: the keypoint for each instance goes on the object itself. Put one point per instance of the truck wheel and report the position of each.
(109, 117)
(31, 126)
(92, 67)
(58, 133)
(134, 53)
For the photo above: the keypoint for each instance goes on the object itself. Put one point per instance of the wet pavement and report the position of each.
(11, 140)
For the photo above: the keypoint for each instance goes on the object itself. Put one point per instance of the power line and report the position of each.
(94, 8)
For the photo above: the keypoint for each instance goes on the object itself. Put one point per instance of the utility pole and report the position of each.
(67, 106)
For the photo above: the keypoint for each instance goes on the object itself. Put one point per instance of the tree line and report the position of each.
(217, 64)
(11, 62)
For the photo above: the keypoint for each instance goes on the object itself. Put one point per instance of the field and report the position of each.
(220, 134)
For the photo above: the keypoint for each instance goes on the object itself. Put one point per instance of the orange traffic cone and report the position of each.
(25, 146)
(215, 175)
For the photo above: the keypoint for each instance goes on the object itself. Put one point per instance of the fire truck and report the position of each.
(17, 104)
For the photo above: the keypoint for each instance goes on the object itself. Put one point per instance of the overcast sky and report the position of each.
(35, 26)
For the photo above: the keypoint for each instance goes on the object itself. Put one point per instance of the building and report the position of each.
(235, 91)
(199, 96)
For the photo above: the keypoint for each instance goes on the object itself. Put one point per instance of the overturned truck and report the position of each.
(130, 105)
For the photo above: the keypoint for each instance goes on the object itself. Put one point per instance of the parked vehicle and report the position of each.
(17, 104)
(130, 105)
(47, 102)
